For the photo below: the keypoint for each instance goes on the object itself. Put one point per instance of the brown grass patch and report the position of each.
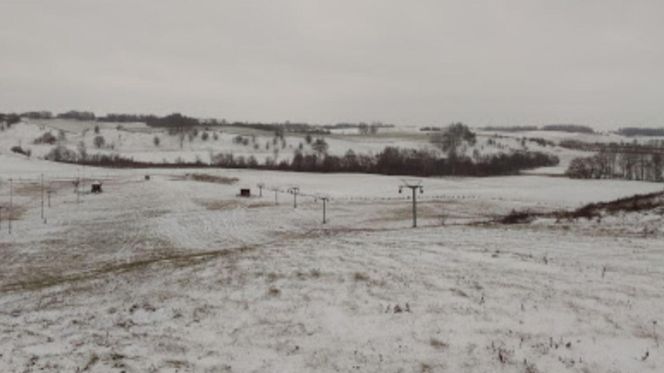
(259, 205)
(27, 189)
(425, 210)
(227, 204)
(359, 276)
(635, 203)
(173, 260)
(16, 212)
(154, 213)
(214, 205)
(34, 189)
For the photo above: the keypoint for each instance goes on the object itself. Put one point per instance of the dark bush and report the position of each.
(518, 217)
(99, 141)
(61, 153)
(77, 115)
(46, 138)
(574, 128)
(639, 131)
(20, 150)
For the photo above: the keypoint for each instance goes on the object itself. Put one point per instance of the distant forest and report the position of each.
(177, 121)
(9, 119)
(391, 161)
(510, 128)
(620, 161)
(572, 128)
(641, 131)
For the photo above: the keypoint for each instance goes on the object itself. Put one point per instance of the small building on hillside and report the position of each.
(96, 187)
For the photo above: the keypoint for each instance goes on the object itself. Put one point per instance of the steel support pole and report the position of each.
(414, 207)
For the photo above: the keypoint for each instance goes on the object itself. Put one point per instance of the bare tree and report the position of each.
(452, 138)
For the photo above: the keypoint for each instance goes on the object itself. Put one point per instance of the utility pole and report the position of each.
(294, 191)
(414, 186)
(276, 194)
(324, 199)
(49, 192)
(78, 184)
(42, 196)
(11, 204)
(260, 189)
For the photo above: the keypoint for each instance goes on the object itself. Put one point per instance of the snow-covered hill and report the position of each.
(178, 273)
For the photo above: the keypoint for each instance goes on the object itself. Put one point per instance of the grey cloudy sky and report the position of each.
(597, 62)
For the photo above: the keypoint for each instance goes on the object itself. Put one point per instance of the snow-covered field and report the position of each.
(137, 141)
(176, 275)
(556, 136)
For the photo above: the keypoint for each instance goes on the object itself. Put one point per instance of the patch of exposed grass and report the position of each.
(175, 260)
(635, 203)
(404, 211)
(93, 360)
(214, 205)
(27, 189)
(15, 213)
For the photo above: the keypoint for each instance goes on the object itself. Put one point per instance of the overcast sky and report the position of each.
(596, 62)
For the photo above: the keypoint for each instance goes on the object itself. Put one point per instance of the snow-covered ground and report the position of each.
(176, 275)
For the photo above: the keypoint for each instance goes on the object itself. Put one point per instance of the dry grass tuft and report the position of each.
(459, 292)
(359, 276)
(438, 344)
(93, 360)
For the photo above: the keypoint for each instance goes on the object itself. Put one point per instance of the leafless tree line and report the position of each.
(633, 163)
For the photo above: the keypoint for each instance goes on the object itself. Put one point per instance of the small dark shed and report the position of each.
(245, 192)
(95, 187)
